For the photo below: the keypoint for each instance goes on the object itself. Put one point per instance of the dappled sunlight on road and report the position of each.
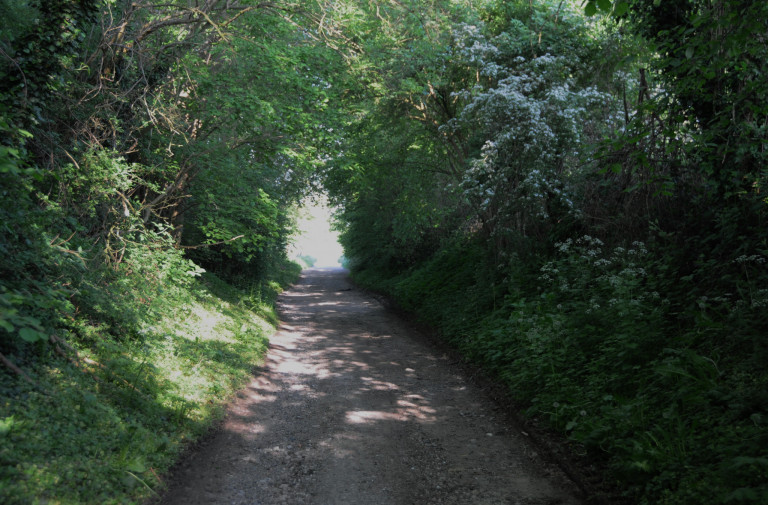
(350, 408)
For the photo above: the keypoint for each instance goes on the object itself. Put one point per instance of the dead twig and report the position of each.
(21, 373)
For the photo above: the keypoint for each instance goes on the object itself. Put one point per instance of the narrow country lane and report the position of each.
(353, 407)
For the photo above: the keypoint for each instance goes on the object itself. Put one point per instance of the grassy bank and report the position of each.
(103, 416)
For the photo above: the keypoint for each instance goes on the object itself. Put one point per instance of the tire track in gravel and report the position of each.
(353, 407)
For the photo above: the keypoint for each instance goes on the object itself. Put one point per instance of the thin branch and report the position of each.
(209, 245)
(18, 371)
(23, 76)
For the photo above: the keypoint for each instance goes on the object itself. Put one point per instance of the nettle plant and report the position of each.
(751, 294)
(740, 307)
(595, 327)
(593, 279)
(530, 116)
(613, 312)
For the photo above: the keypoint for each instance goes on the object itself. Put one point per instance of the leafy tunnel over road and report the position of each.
(353, 407)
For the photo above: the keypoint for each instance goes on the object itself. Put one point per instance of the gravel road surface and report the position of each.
(354, 406)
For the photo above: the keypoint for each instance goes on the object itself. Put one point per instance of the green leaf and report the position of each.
(689, 53)
(605, 5)
(620, 8)
(6, 425)
(6, 325)
(31, 321)
(136, 465)
(743, 494)
(31, 335)
(740, 461)
(590, 9)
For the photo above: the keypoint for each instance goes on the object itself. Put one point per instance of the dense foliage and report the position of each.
(134, 130)
(572, 192)
(577, 203)
(141, 143)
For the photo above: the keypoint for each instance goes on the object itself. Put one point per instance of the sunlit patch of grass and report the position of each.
(103, 427)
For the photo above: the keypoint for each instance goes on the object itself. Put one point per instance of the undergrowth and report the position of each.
(144, 363)
(595, 342)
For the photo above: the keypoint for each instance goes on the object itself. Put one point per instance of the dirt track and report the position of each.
(353, 407)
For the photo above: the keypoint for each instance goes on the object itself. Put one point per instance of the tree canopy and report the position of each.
(572, 192)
